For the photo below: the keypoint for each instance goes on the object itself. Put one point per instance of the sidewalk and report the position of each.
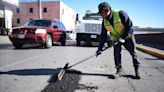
(4, 39)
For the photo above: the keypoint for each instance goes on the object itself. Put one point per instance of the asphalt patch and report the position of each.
(69, 83)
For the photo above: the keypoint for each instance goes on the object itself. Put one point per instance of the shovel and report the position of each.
(66, 67)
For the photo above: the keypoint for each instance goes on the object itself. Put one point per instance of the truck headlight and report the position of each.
(43, 31)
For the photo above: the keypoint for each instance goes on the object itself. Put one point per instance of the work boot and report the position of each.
(118, 73)
(137, 73)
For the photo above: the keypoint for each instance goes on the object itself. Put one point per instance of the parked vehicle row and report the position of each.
(40, 31)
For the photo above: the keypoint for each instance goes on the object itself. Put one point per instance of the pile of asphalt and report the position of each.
(69, 83)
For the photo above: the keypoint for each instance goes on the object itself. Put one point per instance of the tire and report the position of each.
(48, 43)
(63, 41)
(78, 42)
(17, 45)
(88, 43)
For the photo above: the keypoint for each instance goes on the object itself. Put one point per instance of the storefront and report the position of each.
(6, 13)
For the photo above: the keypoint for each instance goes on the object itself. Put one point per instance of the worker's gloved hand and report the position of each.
(98, 52)
(115, 43)
(121, 40)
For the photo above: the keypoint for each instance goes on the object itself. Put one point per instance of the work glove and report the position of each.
(98, 52)
(121, 40)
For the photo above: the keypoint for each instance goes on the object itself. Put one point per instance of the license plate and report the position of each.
(93, 36)
(21, 36)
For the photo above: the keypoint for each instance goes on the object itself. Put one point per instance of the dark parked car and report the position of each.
(43, 32)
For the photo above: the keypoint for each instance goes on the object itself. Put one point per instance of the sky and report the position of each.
(143, 13)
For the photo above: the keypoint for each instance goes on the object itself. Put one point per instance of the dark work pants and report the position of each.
(129, 45)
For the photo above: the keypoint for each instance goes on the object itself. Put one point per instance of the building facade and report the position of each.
(6, 13)
(44, 10)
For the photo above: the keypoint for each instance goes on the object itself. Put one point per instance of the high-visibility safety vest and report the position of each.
(117, 29)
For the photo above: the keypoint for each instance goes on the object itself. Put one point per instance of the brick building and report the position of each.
(49, 10)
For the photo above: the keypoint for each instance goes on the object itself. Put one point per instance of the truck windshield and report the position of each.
(43, 23)
(92, 16)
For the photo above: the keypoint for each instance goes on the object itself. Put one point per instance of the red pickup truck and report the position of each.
(40, 31)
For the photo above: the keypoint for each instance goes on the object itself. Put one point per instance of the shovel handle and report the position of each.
(85, 59)
(82, 61)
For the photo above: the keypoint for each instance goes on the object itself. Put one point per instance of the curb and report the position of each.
(150, 51)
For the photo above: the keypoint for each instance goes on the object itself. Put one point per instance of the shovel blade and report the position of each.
(62, 72)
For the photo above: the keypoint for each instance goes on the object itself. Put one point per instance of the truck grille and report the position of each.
(93, 28)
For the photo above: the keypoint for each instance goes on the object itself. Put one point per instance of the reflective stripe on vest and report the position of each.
(118, 28)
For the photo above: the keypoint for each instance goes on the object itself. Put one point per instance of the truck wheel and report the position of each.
(17, 45)
(88, 43)
(78, 42)
(48, 43)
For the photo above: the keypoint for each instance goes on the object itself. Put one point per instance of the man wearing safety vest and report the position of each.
(118, 26)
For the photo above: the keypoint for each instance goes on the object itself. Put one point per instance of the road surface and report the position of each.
(33, 69)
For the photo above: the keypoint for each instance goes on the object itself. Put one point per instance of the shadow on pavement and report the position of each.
(6, 46)
(130, 76)
(69, 82)
(9, 46)
(49, 71)
(28, 72)
(92, 74)
(25, 47)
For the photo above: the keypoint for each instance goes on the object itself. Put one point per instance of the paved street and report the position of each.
(32, 69)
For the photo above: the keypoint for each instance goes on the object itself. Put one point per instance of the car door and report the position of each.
(56, 31)
(61, 28)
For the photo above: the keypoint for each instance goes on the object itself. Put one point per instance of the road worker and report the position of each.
(118, 26)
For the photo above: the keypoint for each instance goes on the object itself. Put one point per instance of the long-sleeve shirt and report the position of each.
(126, 21)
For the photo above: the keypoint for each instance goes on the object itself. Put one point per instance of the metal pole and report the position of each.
(40, 9)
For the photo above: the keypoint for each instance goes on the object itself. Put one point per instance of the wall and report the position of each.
(151, 38)
(55, 10)
(67, 16)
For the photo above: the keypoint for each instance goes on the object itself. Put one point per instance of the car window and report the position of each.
(56, 24)
(62, 26)
(44, 23)
(59, 25)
